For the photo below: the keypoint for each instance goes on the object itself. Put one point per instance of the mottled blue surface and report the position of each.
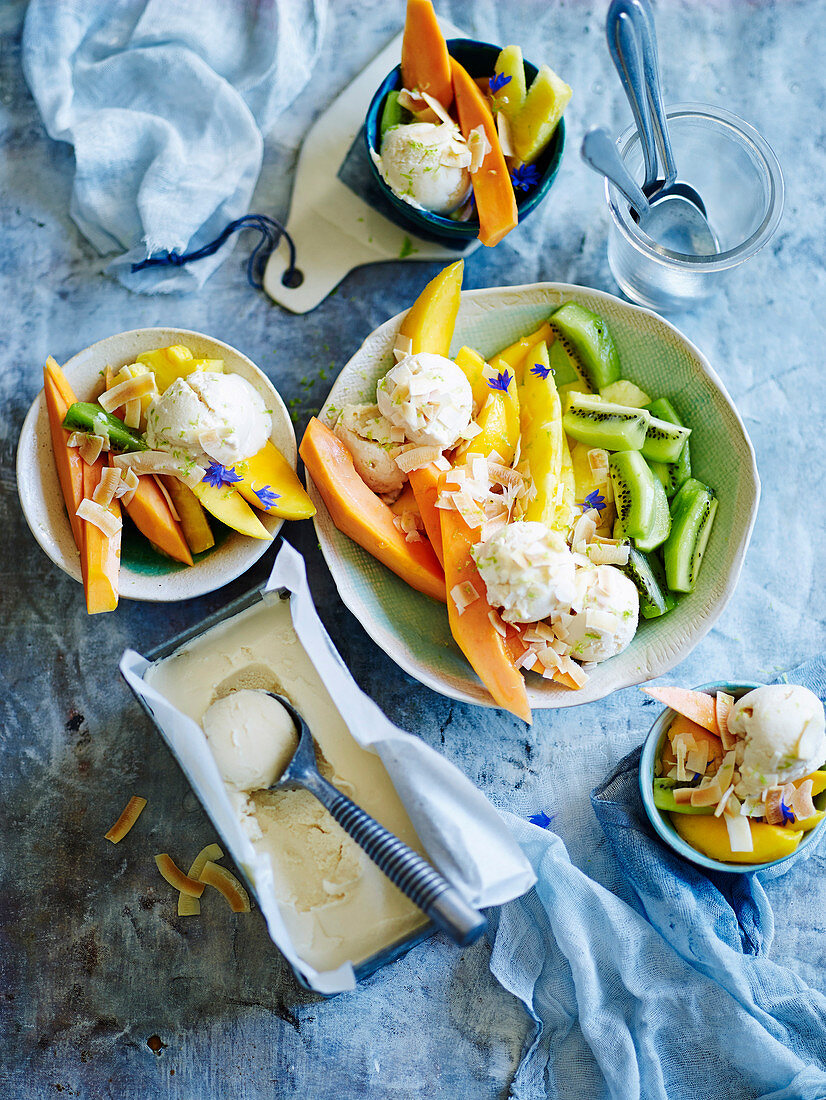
(92, 961)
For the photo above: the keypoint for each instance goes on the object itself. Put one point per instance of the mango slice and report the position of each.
(230, 508)
(472, 365)
(533, 126)
(174, 362)
(709, 835)
(542, 437)
(268, 473)
(430, 320)
(509, 98)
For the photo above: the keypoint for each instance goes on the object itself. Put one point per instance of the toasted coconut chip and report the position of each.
(411, 521)
(402, 347)
(504, 475)
(697, 759)
(132, 811)
(538, 632)
(90, 447)
(75, 439)
(133, 389)
(463, 595)
(682, 795)
(773, 808)
(479, 146)
(411, 101)
(187, 905)
(549, 658)
(733, 805)
(721, 805)
(438, 109)
(598, 461)
(417, 458)
(722, 705)
(441, 463)
(801, 802)
(681, 751)
(582, 532)
(126, 489)
(165, 492)
(572, 669)
(524, 658)
(497, 624)
(132, 413)
(175, 876)
(99, 517)
(226, 884)
(739, 833)
(412, 536)
(110, 479)
(606, 554)
(161, 462)
(707, 796)
(504, 131)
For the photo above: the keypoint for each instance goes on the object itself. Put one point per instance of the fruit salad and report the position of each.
(530, 492)
(464, 147)
(738, 777)
(170, 440)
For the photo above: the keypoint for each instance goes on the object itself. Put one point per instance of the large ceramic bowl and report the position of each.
(661, 821)
(413, 629)
(144, 574)
(479, 58)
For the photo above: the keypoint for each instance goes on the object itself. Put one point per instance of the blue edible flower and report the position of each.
(217, 475)
(540, 371)
(593, 500)
(787, 812)
(541, 819)
(501, 381)
(497, 81)
(267, 495)
(525, 177)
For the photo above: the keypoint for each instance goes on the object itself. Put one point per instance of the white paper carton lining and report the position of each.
(463, 834)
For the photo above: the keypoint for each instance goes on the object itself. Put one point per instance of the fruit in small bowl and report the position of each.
(732, 774)
(464, 138)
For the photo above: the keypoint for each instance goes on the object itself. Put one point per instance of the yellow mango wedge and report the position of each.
(431, 319)
(514, 354)
(510, 97)
(709, 835)
(176, 361)
(807, 823)
(566, 507)
(818, 779)
(269, 474)
(230, 508)
(472, 365)
(542, 437)
(194, 525)
(498, 420)
(532, 127)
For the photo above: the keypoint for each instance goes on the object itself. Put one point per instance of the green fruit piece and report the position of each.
(680, 470)
(657, 533)
(635, 492)
(83, 416)
(532, 126)
(591, 342)
(589, 419)
(664, 441)
(565, 365)
(391, 115)
(647, 574)
(664, 800)
(666, 472)
(511, 96)
(624, 392)
(692, 515)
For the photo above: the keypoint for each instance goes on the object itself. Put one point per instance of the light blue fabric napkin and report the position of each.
(165, 103)
(674, 999)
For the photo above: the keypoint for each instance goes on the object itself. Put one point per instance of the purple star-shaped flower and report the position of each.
(267, 495)
(541, 819)
(497, 81)
(525, 177)
(788, 814)
(540, 371)
(217, 475)
(501, 381)
(593, 500)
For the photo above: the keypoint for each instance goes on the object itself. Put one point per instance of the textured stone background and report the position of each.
(93, 963)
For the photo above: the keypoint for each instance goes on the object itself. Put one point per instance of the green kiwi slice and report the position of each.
(664, 441)
(692, 515)
(660, 525)
(679, 471)
(666, 472)
(592, 343)
(565, 365)
(647, 574)
(635, 492)
(598, 423)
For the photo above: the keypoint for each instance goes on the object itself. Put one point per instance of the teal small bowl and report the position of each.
(659, 818)
(479, 59)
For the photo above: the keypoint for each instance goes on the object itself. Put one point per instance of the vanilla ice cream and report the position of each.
(429, 398)
(426, 165)
(781, 735)
(252, 738)
(373, 443)
(528, 571)
(607, 615)
(220, 416)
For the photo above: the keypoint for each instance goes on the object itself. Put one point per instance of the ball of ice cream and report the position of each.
(252, 738)
(209, 413)
(368, 436)
(781, 735)
(607, 615)
(428, 397)
(528, 571)
(426, 164)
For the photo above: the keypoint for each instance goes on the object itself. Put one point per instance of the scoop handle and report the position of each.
(414, 876)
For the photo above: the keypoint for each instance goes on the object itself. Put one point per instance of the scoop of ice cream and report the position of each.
(428, 397)
(208, 413)
(252, 738)
(368, 436)
(528, 571)
(781, 735)
(426, 164)
(606, 619)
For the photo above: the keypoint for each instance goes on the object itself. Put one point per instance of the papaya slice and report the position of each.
(425, 486)
(100, 556)
(492, 187)
(695, 705)
(425, 60)
(270, 484)
(59, 396)
(430, 321)
(149, 511)
(484, 647)
(681, 724)
(361, 515)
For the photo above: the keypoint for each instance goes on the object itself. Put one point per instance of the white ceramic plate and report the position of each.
(413, 629)
(42, 500)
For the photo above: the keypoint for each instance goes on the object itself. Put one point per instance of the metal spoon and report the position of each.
(673, 223)
(414, 876)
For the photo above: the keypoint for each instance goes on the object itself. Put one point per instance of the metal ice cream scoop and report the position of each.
(414, 876)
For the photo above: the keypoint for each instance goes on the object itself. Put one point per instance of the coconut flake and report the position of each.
(497, 624)
(463, 595)
(99, 517)
(161, 462)
(126, 489)
(417, 458)
(801, 803)
(739, 833)
(110, 478)
(132, 413)
(722, 705)
(165, 492)
(130, 390)
(598, 462)
(90, 447)
(402, 347)
(721, 805)
(504, 131)
(437, 108)
(479, 146)
(75, 439)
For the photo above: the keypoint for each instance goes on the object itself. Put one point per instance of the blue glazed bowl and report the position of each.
(659, 818)
(479, 58)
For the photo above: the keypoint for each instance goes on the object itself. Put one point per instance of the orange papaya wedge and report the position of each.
(425, 486)
(492, 187)
(361, 515)
(695, 705)
(100, 557)
(425, 60)
(150, 512)
(59, 396)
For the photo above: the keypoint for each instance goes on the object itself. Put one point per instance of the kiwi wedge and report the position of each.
(647, 574)
(635, 493)
(666, 472)
(392, 114)
(692, 515)
(588, 419)
(663, 441)
(565, 365)
(660, 525)
(680, 469)
(588, 336)
(664, 799)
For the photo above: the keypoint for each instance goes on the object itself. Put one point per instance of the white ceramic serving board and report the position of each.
(334, 230)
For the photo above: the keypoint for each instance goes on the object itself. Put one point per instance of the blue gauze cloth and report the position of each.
(671, 999)
(165, 103)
